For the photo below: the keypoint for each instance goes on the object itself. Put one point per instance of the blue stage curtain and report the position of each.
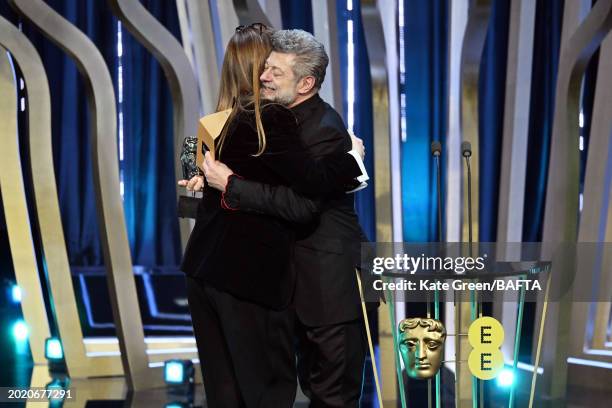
(363, 120)
(491, 94)
(148, 169)
(70, 125)
(297, 14)
(148, 166)
(425, 89)
(547, 41)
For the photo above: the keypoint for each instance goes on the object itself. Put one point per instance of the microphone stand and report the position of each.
(466, 150)
(436, 151)
(469, 202)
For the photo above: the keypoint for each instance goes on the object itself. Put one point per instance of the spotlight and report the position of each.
(20, 331)
(54, 353)
(57, 392)
(16, 294)
(179, 375)
(53, 349)
(174, 372)
(505, 378)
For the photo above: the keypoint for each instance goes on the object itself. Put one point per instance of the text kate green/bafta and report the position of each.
(458, 284)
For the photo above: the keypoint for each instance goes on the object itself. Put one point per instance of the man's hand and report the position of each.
(358, 146)
(195, 184)
(216, 173)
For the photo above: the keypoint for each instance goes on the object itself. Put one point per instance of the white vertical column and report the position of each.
(596, 219)
(580, 38)
(388, 10)
(228, 20)
(326, 31)
(272, 9)
(458, 22)
(514, 150)
(199, 43)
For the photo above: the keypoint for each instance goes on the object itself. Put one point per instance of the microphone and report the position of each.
(436, 148)
(466, 151)
(436, 151)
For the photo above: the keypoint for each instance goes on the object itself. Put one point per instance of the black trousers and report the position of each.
(331, 360)
(247, 352)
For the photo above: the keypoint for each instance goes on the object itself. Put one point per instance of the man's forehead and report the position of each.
(280, 59)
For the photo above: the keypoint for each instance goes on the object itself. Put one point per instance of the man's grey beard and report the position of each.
(285, 101)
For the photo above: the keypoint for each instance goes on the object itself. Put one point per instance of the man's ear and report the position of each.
(305, 85)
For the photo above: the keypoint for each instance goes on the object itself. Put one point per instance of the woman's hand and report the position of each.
(358, 146)
(195, 184)
(216, 173)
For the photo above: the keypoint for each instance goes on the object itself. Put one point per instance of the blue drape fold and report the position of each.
(148, 165)
(491, 100)
(70, 119)
(547, 41)
(297, 14)
(426, 99)
(148, 172)
(363, 125)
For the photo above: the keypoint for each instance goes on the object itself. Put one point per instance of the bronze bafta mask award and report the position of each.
(192, 156)
(421, 345)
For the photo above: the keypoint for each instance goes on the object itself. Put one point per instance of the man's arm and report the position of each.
(287, 156)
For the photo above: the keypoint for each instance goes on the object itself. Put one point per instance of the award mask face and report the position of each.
(421, 346)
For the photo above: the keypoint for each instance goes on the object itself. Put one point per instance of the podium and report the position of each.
(470, 291)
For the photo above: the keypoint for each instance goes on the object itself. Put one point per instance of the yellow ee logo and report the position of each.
(486, 336)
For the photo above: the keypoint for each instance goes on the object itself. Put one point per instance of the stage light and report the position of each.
(505, 378)
(176, 405)
(179, 375)
(57, 392)
(53, 349)
(174, 372)
(178, 371)
(20, 331)
(16, 294)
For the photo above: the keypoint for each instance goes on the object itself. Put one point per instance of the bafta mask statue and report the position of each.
(421, 344)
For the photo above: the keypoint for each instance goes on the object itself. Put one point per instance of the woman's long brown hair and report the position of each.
(243, 64)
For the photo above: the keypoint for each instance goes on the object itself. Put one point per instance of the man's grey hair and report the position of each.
(310, 56)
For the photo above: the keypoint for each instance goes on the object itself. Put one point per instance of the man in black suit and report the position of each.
(329, 321)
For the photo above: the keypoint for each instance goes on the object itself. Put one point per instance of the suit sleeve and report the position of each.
(286, 156)
(277, 201)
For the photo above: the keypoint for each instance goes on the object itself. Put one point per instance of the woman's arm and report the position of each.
(277, 201)
(251, 196)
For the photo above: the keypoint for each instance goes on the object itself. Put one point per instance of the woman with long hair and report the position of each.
(240, 279)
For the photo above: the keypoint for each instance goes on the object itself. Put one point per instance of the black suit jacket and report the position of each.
(249, 255)
(329, 236)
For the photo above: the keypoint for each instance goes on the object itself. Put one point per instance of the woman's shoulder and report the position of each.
(276, 114)
(270, 111)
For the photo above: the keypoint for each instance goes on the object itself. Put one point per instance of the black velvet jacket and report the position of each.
(328, 247)
(249, 255)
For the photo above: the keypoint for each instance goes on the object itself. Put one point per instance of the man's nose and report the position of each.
(265, 76)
